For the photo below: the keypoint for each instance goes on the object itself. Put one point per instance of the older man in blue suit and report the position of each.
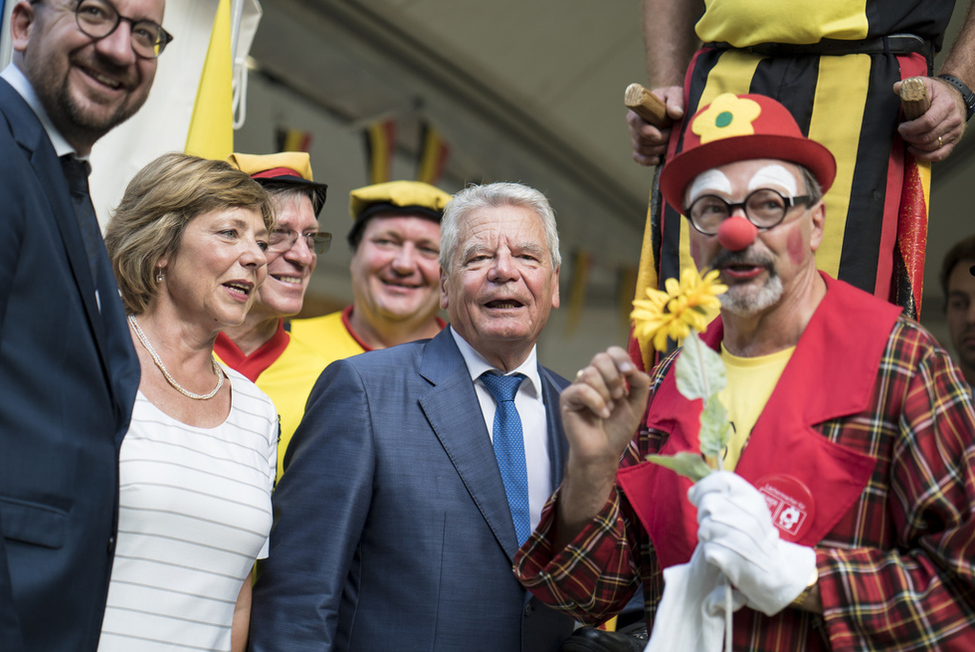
(414, 477)
(68, 372)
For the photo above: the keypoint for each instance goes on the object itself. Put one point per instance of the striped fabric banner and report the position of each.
(625, 286)
(290, 139)
(380, 142)
(912, 236)
(578, 281)
(912, 228)
(432, 154)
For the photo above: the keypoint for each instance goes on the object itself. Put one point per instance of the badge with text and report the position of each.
(791, 504)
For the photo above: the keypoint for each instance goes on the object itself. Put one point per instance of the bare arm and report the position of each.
(669, 42)
(669, 39)
(960, 60)
(600, 413)
(242, 615)
(945, 120)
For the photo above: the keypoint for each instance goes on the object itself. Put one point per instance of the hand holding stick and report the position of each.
(647, 105)
(914, 98)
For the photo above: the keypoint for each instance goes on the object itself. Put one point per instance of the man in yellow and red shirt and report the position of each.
(395, 241)
(261, 348)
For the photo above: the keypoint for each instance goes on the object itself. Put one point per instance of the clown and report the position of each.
(846, 523)
(395, 269)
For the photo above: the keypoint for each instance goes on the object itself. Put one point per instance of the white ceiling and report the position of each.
(522, 89)
(480, 71)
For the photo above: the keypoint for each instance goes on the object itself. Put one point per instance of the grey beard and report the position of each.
(746, 301)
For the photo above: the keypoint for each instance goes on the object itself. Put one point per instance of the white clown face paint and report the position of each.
(709, 183)
(774, 176)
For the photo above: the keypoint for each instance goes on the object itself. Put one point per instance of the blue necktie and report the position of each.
(509, 448)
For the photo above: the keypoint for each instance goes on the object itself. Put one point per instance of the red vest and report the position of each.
(830, 375)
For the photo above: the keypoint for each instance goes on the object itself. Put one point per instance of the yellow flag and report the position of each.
(211, 133)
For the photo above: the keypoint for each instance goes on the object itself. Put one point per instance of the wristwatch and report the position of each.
(966, 93)
(810, 585)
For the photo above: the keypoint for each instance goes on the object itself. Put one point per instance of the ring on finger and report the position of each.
(940, 143)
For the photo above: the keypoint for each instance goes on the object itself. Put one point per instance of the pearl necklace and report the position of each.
(162, 367)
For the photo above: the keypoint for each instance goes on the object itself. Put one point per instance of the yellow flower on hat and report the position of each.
(727, 116)
(691, 303)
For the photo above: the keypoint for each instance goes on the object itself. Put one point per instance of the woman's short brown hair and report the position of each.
(158, 203)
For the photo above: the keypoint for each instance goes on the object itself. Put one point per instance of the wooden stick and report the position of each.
(914, 97)
(647, 105)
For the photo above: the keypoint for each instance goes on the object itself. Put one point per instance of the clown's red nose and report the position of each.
(736, 233)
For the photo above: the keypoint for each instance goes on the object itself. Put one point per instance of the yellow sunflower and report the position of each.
(691, 303)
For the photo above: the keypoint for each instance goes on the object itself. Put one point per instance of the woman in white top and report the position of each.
(197, 463)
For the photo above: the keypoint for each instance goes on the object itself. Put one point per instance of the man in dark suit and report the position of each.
(68, 372)
(408, 486)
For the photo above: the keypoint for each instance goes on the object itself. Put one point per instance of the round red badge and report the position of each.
(790, 503)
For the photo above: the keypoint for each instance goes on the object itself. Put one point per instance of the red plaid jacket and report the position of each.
(896, 572)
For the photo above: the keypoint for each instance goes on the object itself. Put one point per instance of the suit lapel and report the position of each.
(552, 386)
(30, 135)
(455, 415)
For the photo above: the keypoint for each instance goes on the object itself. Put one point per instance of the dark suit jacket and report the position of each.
(68, 378)
(391, 526)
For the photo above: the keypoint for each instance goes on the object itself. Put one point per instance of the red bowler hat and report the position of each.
(740, 128)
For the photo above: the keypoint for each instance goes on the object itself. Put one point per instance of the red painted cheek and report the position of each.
(797, 248)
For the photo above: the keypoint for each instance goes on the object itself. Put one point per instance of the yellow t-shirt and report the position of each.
(748, 22)
(328, 336)
(287, 381)
(750, 384)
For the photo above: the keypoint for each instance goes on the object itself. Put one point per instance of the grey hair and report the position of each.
(475, 197)
(813, 188)
(282, 193)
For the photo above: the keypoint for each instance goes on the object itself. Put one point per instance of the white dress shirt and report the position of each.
(16, 78)
(531, 409)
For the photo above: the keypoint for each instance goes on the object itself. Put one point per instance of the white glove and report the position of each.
(691, 612)
(736, 534)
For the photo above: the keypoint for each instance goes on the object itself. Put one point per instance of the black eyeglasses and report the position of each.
(283, 240)
(765, 208)
(98, 19)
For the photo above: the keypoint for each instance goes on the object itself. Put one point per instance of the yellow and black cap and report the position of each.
(410, 198)
(282, 170)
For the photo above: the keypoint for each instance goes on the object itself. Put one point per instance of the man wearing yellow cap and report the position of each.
(395, 242)
(261, 348)
(847, 522)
